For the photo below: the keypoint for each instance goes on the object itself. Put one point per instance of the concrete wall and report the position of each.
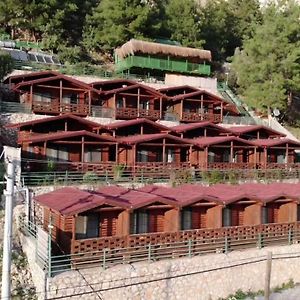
(206, 277)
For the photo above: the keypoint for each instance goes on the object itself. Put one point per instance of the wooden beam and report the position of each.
(201, 107)
(90, 102)
(231, 151)
(164, 150)
(138, 102)
(181, 109)
(160, 107)
(63, 88)
(31, 96)
(60, 91)
(82, 149)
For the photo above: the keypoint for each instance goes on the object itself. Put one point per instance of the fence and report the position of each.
(175, 176)
(14, 107)
(192, 243)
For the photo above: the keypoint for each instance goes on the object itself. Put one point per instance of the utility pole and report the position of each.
(7, 240)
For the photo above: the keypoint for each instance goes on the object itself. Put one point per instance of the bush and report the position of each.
(89, 177)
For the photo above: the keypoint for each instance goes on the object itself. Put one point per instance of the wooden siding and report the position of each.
(156, 220)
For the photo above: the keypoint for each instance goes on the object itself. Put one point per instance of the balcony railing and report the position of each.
(132, 113)
(196, 117)
(58, 108)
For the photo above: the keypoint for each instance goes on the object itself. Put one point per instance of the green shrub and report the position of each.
(89, 177)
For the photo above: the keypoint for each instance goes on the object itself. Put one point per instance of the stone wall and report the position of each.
(206, 277)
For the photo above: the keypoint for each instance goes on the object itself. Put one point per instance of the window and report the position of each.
(87, 226)
(170, 155)
(43, 97)
(92, 155)
(70, 98)
(57, 153)
(226, 217)
(145, 105)
(119, 103)
(211, 157)
(142, 156)
(139, 222)
(186, 219)
(281, 158)
(264, 215)
(226, 155)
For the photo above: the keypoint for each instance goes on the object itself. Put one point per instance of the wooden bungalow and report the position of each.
(55, 124)
(78, 150)
(200, 106)
(251, 132)
(200, 129)
(57, 95)
(153, 150)
(149, 213)
(81, 216)
(223, 152)
(276, 153)
(136, 127)
(16, 79)
(134, 101)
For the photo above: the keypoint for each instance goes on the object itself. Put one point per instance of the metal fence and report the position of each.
(168, 175)
(288, 234)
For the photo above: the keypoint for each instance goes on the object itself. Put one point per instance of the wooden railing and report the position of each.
(235, 166)
(210, 239)
(132, 113)
(186, 116)
(59, 108)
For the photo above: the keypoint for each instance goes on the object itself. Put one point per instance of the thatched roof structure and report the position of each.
(137, 46)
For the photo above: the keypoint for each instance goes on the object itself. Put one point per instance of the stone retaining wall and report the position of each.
(206, 277)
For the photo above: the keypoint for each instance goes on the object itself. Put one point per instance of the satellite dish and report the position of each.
(276, 112)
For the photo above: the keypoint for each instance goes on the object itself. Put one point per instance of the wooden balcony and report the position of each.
(59, 108)
(197, 117)
(133, 113)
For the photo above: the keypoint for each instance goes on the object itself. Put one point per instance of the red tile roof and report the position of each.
(56, 77)
(249, 128)
(137, 85)
(136, 139)
(55, 118)
(70, 201)
(68, 134)
(275, 142)
(205, 124)
(215, 140)
(122, 124)
(76, 201)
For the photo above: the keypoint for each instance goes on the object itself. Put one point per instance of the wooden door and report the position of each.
(237, 215)
(156, 220)
(199, 217)
(108, 223)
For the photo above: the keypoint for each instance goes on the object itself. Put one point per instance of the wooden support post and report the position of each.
(82, 149)
(66, 125)
(164, 151)
(221, 112)
(31, 96)
(160, 108)
(117, 153)
(60, 92)
(201, 108)
(255, 156)
(181, 109)
(45, 148)
(142, 128)
(190, 154)
(231, 152)
(265, 157)
(268, 276)
(138, 102)
(206, 158)
(90, 103)
(134, 157)
(286, 153)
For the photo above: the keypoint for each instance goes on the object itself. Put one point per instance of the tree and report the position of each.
(114, 22)
(183, 22)
(225, 24)
(268, 66)
(6, 64)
